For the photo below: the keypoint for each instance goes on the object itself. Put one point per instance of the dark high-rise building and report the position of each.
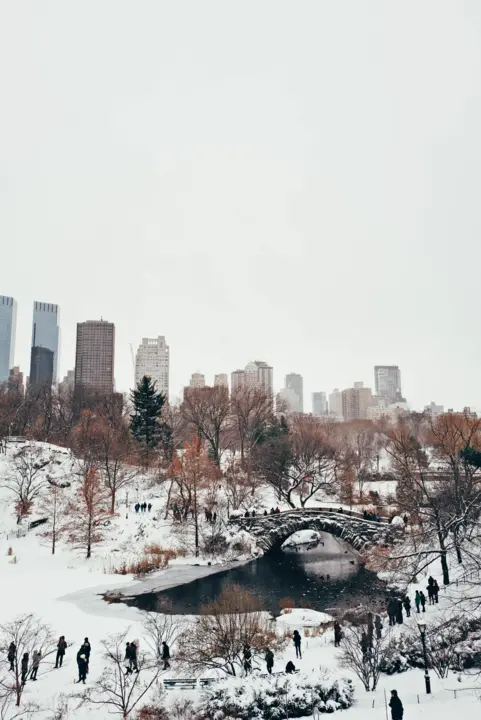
(41, 367)
(94, 357)
(8, 324)
(46, 333)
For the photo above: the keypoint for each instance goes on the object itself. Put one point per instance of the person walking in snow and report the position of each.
(290, 668)
(407, 606)
(397, 710)
(149, 507)
(436, 591)
(391, 611)
(165, 655)
(247, 654)
(269, 660)
(61, 648)
(337, 634)
(128, 659)
(24, 668)
(35, 663)
(12, 652)
(133, 656)
(399, 612)
(82, 668)
(297, 643)
(430, 590)
(423, 600)
(378, 626)
(417, 600)
(137, 506)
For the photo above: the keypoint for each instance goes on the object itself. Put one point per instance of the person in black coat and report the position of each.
(87, 650)
(290, 668)
(166, 655)
(247, 654)
(423, 601)
(12, 652)
(269, 661)
(378, 626)
(407, 606)
(82, 667)
(399, 612)
(391, 611)
(297, 643)
(24, 668)
(397, 710)
(61, 648)
(337, 634)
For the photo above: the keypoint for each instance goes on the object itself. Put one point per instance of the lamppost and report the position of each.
(427, 679)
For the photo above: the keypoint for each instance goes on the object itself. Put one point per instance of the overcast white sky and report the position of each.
(297, 182)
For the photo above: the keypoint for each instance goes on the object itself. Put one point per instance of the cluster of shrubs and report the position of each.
(275, 698)
(456, 644)
(153, 558)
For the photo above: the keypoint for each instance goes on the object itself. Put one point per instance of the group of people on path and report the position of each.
(143, 507)
(269, 656)
(395, 610)
(210, 517)
(25, 666)
(83, 659)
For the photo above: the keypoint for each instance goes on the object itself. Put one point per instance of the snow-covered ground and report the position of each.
(65, 590)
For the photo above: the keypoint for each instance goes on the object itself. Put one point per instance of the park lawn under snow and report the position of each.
(64, 590)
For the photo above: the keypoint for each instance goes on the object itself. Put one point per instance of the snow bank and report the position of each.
(300, 617)
(302, 537)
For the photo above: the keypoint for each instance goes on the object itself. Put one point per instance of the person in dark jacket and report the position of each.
(337, 634)
(12, 652)
(149, 507)
(165, 655)
(417, 600)
(87, 650)
(61, 648)
(128, 659)
(396, 706)
(35, 663)
(391, 611)
(399, 612)
(430, 589)
(133, 656)
(269, 661)
(436, 591)
(82, 667)
(24, 668)
(290, 668)
(297, 643)
(423, 601)
(378, 626)
(407, 606)
(247, 654)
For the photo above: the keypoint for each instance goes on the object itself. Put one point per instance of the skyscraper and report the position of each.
(45, 334)
(153, 360)
(197, 380)
(319, 403)
(8, 326)
(295, 383)
(356, 401)
(237, 380)
(387, 379)
(221, 380)
(94, 357)
(41, 367)
(335, 404)
(258, 374)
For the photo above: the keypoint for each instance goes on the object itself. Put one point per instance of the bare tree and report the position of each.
(54, 504)
(26, 479)
(252, 410)
(207, 410)
(364, 655)
(115, 458)
(28, 634)
(161, 626)
(224, 627)
(88, 511)
(117, 690)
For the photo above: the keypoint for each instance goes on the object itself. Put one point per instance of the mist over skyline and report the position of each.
(295, 183)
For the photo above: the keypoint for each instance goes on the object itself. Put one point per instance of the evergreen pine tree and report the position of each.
(145, 421)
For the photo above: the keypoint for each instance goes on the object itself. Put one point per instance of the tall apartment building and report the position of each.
(41, 367)
(295, 383)
(221, 380)
(335, 404)
(356, 401)
(95, 355)
(68, 383)
(387, 381)
(319, 403)
(8, 326)
(287, 401)
(237, 380)
(197, 380)
(45, 334)
(15, 382)
(259, 374)
(152, 359)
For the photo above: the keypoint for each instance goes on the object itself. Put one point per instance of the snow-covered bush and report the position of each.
(275, 697)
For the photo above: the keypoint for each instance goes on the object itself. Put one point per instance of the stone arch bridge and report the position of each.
(271, 531)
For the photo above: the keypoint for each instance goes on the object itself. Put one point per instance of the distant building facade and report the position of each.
(237, 380)
(8, 326)
(221, 380)
(152, 360)
(45, 334)
(15, 383)
(295, 383)
(387, 381)
(95, 356)
(41, 367)
(68, 383)
(197, 380)
(319, 403)
(433, 409)
(335, 404)
(356, 401)
(287, 401)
